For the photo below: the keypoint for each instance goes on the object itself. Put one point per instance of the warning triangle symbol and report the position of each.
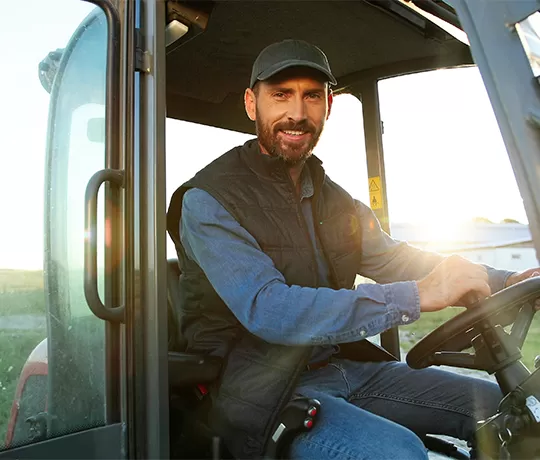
(373, 187)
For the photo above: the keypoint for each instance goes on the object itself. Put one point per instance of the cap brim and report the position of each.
(276, 68)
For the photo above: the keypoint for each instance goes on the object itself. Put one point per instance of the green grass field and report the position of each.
(14, 280)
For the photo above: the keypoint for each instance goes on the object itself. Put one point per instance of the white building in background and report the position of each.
(505, 246)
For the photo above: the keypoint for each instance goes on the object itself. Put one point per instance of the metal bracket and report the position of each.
(142, 57)
(39, 426)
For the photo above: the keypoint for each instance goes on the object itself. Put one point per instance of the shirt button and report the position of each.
(362, 332)
(405, 318)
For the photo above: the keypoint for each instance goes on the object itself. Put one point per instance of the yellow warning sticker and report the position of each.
(375, 193)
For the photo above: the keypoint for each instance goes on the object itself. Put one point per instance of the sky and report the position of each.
(445, 159)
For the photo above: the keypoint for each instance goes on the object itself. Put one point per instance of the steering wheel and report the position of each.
(481, 327)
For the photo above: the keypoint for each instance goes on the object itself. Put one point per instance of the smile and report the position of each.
(294, 133)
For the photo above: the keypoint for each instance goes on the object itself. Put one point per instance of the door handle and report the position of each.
(114, 314)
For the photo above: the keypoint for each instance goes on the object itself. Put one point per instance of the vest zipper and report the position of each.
(333, 274)
(303, 223)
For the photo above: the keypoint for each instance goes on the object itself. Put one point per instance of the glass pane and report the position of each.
(342, 147)
(451, 188)
(53, 97)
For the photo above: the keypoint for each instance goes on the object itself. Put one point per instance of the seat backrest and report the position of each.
(176, 342)
(185, 369)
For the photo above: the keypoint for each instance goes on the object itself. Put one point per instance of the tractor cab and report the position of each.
(126, 100)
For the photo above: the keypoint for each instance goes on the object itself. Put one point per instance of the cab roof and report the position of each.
(208, 69)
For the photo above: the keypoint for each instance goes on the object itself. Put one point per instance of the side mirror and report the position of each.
(48, 67)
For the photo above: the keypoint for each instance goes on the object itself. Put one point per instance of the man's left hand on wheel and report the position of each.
(522, 276)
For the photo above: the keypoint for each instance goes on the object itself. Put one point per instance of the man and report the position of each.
(269, 248)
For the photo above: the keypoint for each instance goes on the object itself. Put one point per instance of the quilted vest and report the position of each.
(258, 377)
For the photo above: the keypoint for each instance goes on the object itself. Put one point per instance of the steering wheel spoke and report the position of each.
(455, 359)
(521, 325)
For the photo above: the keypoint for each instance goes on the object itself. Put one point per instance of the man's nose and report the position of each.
(297, 109)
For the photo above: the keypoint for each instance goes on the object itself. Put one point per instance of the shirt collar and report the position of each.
(274, 168)
(306, 184)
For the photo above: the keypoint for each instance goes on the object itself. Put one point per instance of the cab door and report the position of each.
(61, 243)
(505, 43)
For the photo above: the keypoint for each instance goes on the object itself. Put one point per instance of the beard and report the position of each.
(290, 154)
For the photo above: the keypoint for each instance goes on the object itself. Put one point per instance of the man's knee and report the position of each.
(403, 444)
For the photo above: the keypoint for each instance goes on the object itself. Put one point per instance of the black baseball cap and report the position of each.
(289, 53)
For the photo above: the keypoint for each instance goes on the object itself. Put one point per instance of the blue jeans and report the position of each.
(375, 411)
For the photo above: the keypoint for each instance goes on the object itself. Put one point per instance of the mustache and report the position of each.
(298, 126)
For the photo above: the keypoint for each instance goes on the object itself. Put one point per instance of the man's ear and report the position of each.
(330, 101)
(250, 104)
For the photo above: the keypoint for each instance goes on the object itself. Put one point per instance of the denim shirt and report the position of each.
(257, 293)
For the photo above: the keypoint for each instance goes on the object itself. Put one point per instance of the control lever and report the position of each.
(298, 416)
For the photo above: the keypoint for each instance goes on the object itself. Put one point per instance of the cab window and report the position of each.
(450, 185)
(52, 365)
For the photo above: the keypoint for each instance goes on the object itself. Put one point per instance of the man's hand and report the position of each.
(521, 276)
(454, 279)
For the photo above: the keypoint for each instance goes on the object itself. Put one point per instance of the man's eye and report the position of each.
(279, 95)
(314, 95)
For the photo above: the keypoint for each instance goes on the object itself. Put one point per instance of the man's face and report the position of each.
(289, 111)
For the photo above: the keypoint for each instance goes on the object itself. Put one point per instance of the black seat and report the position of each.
(176, 342)
(185, 369)
(188, 375)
